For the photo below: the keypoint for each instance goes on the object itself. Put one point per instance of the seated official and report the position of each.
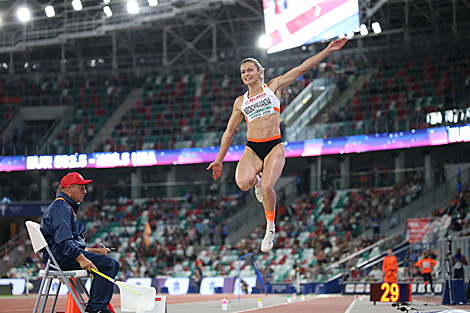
(64, 235)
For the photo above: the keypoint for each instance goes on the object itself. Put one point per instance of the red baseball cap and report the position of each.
(74, 178)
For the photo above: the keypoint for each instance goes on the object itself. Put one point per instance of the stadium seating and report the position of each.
(182, 112)
(92, 105)
(397, 97)
(304, 230)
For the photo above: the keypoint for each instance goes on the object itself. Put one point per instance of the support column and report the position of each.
(11, 68)
(315, 173)
(407, 24)
(136, 183)
(454, 17)
(399, 166)
(63, 62)
(46, 192)
(165, 47)
(344, 169)
(171, 177)
(115, 62)
(429, 169)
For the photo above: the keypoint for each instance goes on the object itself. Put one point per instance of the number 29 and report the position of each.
(391, 292)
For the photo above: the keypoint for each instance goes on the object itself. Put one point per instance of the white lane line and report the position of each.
(348, 310)
(269, 306)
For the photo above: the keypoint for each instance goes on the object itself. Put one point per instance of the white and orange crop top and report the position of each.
(265, 103)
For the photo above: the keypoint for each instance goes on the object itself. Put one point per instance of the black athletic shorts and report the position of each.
(262, 149)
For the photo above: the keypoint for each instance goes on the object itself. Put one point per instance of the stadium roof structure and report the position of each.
(187, 32)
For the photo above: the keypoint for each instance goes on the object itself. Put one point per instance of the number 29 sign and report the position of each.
(386, 292)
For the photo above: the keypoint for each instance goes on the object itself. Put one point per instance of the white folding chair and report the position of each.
(72, 279)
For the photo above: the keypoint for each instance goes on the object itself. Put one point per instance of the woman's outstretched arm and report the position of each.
(288, 78)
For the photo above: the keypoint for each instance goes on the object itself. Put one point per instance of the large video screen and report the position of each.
(292, 23)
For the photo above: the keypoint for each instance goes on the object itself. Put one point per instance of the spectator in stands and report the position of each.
(458, 261)
(178, 267)
(426, 264)
(211, 231)
(413, 256)
(390, 267)
(200, 230)
(6, 258)
(318, 272)
(356, 274)
(223, 233)
(64, 235)
(346, 274)
(375, 274)
(321, 257)
(264, 150)
(376, 225)
(406, 261)
(192, 234)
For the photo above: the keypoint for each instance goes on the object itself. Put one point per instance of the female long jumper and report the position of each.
(264, 151)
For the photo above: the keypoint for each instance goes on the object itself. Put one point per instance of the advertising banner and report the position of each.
(177, 285)
(208, 285)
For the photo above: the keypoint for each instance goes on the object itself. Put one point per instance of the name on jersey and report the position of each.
(260, 104)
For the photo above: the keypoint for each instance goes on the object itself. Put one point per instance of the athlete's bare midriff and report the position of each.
(264, 127)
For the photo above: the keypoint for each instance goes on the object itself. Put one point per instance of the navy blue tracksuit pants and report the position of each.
(102, 289)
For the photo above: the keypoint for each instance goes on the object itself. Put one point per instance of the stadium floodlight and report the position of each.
(77, 5)
(376, 28)
(50, 12)
(24, 15)
(133, 7)
(350, 34)
(264, 41)
(106, 1)
(364, 31)
(153, 3)
(107, 11)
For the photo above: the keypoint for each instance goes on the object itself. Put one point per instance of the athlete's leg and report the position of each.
(247, 168)
(273, 165)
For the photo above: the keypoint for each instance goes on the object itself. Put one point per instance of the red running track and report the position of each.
(333, 304)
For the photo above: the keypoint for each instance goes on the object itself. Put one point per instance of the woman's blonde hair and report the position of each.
(258, 66)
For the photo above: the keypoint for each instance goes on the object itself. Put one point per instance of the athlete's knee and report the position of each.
(268, 190)
(244, 185)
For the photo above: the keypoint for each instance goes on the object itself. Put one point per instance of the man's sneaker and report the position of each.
(268, 241)
(89, 309)
(258, 190)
